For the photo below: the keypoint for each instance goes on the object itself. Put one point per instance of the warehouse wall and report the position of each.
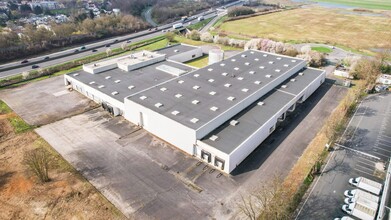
(214, 152)
(161, 126)
(187, 56)
(93, 93)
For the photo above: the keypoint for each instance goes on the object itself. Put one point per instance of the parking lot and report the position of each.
(144, 176)
(363, 150)
(45, 101)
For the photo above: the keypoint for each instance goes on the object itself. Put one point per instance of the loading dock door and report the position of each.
(219, 163)
(206, 156)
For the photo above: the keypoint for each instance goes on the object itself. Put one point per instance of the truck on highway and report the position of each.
(361, 210)
(366, 184)
(358, 193)
(177, 26)
(184, 18)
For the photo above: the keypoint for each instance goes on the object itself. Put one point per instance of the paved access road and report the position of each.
(363, 151)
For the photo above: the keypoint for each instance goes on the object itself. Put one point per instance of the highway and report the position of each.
(16, 68)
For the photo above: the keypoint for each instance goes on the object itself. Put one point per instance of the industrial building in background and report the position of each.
(219, 113)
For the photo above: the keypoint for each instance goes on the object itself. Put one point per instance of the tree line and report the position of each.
(34, 39)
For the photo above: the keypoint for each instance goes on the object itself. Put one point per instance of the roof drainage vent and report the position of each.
(214, 138)
(233, 122)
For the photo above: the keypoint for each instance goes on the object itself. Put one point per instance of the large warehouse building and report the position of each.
(219, 113)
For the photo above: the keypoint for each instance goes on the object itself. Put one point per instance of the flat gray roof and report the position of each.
(238, 77)
(141, 79)
(255, 116)
(175, 49)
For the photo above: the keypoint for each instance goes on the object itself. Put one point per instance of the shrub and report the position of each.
(193, 35)
(170, 36)
(38, 161)
(206, 37)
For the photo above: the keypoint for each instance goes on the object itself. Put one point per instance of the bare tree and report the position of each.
(270, 202)
(38, 162)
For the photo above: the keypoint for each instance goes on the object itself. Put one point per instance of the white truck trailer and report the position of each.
(366, 184)
(361, 210)
(177, 26)
(358, 193)
(368, 203)
(344, 218)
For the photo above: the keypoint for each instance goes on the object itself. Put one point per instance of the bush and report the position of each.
(170, 36)
(193, 35)
(240, 10)
(206, 37)
(38, 162)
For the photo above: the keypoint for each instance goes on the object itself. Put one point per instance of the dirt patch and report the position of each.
(67, 196)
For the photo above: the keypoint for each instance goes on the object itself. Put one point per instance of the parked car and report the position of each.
(24, 61)
(34, 66)
(94, 50)
(46, 58)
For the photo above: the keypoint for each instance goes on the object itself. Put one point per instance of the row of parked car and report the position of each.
(362, 202)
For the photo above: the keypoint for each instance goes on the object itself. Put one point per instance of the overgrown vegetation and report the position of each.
(240, 10)
(19, 124)
(34, 40)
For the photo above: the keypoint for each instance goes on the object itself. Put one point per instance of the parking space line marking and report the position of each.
(384, 145)
(363, 158)
(388, 151)
(366, 154)
(381, 139)
(363, 167)
(371, 174)
(370, 165)
(375, 152)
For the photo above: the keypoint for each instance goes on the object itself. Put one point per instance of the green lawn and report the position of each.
(154, 46)
(19, 125)
(322, 49)
(4, 109)
(370, 4)
(200, 24)
(199, 62)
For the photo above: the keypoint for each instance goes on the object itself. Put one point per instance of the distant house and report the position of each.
(49, 5)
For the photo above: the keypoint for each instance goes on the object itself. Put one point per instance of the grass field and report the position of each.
(316, 25)
(370, 4)
(322, 49)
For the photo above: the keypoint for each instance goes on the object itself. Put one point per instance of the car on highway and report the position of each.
(46, 58)
(24, 61)
(76, 51)
(34, 66)
(107, 45)
(94, 50)
(128, 41)
(83, 48)
(163, 31)
(116, 40)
